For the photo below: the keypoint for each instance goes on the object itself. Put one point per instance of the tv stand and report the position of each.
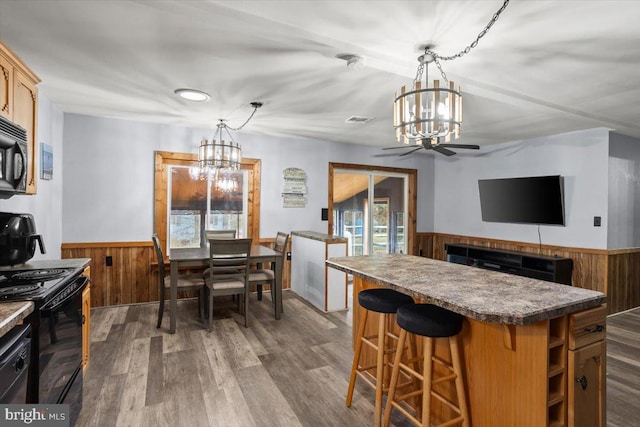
(551, 269)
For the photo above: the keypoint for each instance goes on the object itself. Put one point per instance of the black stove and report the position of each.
(33, 285)
(55, 371)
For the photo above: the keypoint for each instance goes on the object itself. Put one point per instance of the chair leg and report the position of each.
(382, 339)
(246, 309)
(427, 381)
(356, 356)
(160, 311)
(460, 389)
(210, 311)
(201, 302)
(395, 373)
(259, 288)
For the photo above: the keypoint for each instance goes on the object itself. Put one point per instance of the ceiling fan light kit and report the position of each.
(426, 116)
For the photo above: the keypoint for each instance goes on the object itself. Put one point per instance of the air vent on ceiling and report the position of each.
(359, 119)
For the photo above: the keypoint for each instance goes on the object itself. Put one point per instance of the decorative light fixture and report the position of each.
(192, 94)
(432, 113)
(219, 155)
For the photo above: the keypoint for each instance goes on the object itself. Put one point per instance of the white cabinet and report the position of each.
(325, 288)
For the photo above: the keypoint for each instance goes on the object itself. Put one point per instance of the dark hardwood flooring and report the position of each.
(623, 369)
(292, 372)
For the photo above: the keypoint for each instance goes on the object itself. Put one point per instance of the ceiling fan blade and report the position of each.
(440, 149)
(412, 151)
(468, 146)
(399, 146)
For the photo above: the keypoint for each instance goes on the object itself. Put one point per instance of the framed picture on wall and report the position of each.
(46, 161)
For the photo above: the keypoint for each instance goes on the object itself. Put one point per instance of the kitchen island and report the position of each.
(534, 352)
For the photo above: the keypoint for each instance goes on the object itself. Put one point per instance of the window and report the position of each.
(188, 207)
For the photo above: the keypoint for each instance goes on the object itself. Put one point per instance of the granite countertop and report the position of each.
(476, 293)
(313, 235)
(79, 263)
(12, 313)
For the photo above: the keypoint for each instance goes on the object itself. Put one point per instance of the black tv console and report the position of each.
(552, 269)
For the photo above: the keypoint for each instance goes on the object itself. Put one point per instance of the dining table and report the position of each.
(199, 257)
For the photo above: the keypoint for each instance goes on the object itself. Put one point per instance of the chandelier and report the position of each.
(219, 154)
(433, 113)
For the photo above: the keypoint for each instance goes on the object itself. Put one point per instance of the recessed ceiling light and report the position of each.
(192, 94)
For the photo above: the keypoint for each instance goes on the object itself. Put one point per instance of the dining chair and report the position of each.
(220, 234)
(228, 273)
(266, 276)
(186, 282)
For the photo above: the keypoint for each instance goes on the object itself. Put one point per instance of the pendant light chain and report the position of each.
(475, 42)
(255, 106)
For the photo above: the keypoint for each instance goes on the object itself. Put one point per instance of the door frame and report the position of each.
(412, 177)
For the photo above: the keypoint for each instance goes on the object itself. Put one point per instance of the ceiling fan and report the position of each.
(432, 144)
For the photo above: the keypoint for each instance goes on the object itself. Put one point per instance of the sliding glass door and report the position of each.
(370, 210)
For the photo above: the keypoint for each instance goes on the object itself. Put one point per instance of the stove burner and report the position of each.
(37, 275)
(18, 290)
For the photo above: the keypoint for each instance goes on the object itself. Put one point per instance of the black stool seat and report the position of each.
(429, 320)
(383, 300)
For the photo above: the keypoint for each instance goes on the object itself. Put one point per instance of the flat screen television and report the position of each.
(526, 200)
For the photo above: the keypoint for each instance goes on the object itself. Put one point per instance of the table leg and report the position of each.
(173, 297)
(277, 292)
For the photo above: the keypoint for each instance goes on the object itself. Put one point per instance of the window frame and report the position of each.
(165, 158)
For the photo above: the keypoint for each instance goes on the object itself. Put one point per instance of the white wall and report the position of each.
(108, 186)
(46, 205)
(624, 192)
(580, 157)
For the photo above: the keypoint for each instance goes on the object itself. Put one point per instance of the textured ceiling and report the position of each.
(545, 67)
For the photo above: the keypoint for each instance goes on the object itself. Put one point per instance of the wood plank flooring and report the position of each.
(292, 372)
(623, 369)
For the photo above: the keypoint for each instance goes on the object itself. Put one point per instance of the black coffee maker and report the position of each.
(18, 238)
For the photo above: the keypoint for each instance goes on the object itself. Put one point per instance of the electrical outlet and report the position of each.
(597, 221)
(108, 261)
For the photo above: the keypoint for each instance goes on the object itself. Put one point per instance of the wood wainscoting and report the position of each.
(133, 276)
(615, 273)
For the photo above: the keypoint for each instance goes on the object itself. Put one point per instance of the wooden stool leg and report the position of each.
(382, 339)
(460, 389)
(356, 355)
(426, 382)
(395, 373)
(413, 355)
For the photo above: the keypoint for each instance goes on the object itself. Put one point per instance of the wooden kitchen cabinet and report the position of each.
(86, 320)
(19, 103)
(586, 387)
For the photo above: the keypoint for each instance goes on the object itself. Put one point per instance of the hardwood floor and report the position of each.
(292, 372)
(623, 369)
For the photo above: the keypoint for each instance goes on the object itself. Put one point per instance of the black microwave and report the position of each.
(13, 159)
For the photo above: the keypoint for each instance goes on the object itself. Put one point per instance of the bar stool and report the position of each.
(386, 302)
(430, 322)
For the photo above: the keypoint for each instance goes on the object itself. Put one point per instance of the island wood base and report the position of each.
(524, 375)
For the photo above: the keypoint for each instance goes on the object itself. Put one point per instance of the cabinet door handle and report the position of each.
(583, 382)
(598, 328)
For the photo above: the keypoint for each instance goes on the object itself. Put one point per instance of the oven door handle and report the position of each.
(55, 304)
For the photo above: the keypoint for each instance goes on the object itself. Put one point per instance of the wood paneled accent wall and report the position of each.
(616, 273)
(133, 277)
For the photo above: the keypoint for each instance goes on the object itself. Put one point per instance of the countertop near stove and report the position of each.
(79, 263)
(12, 313)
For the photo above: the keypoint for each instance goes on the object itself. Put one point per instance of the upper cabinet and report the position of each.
(19, 103)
